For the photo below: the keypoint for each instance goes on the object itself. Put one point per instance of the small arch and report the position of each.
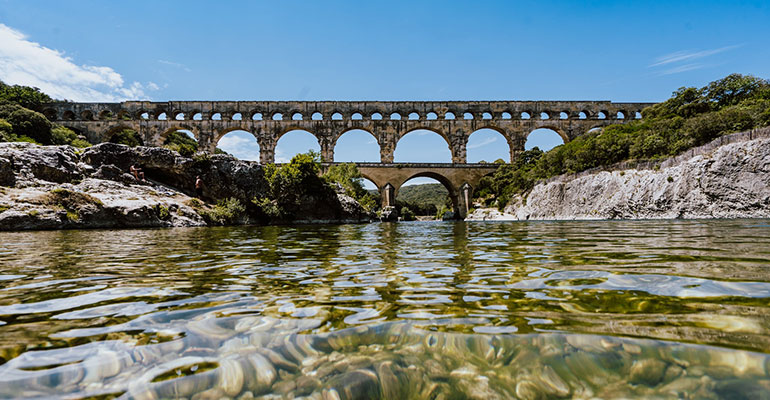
(563, 115)
(395, 116)
(296, 117)
(357, 116)
(294, 142)
(162, 116)
(356, 145)
(50, 113)
(105, 115)
(414, 116)
(376, 116)
(145, 115)
(87, 115)
(237, 117)
(583, 115)
(545, 115)
(431, 116)
(240, 144)
(486, 115)
(336, 117)
(277, 117)
(601, 115)
(620, 115)
(216, 117)
(525, 115)
(637, 115)
(317, 116)
(256, 117)
(68, 115)
(544, 138)
(467, 115)
(449, 115)
(506, 115)
(179, 116)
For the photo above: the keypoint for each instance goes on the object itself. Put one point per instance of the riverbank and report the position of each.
(62, 187)
(726, 178)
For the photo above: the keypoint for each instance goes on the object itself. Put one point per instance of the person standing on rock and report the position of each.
(199, 186)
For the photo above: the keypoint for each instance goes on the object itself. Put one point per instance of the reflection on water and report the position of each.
(421, 310)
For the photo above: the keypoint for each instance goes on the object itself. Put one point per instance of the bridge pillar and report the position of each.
(327, 149)
(386, 152)
(465, 196)
(388, 195)
(266, 150)
(459, 149)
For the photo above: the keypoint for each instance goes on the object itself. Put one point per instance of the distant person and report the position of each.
(199, 186)
(137, 172)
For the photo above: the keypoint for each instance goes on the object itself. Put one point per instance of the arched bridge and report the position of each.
(459, 179)
(328, 120)
(386, 121)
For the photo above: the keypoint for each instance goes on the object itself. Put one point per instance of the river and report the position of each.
(435, 310)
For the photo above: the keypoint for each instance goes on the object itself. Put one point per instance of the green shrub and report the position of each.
(129, 137)
(163, 213)
(289, 183)
(406, 214)
(26, 122)
(181, 143)
(61, 135)
(349, 177)
(25, 96)
(225, 212)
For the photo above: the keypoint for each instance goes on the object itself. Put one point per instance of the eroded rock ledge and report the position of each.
(60, 187)
(728, 178)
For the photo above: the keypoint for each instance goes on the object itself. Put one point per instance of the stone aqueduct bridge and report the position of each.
(388, 122)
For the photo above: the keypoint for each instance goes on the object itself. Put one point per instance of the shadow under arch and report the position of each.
(179, 128)
(362, 147)
(415, 133)
(110, 132)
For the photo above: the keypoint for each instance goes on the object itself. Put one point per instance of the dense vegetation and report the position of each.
(20, 120)
(349, 177)
(691, 117)
(426, 199)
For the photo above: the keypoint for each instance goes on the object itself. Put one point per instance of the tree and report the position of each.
(26, 122)
(25, 96)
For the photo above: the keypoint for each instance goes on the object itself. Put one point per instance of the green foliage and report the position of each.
(349, 177)
(61, 135)
(225, 212)
(25, 96)
(424, 199)
(406, 214)
(691, 117)
(163, 212)
(129, 137)
(441, 211)
(181, 143)
(26, 122)
(289, 183)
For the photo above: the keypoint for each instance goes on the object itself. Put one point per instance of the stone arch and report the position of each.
(244, 150)
(181, 127)
(338, 136)
(506, 138)
(440, 133)
(337, 116)
(413, 116)
(297, 116)
(109, 132)
(51, 114)
(87, 115)
(560, 132)
(445, 181)
(105, 115)
(322, 145)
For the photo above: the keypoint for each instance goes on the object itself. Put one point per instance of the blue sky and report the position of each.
(395, 50)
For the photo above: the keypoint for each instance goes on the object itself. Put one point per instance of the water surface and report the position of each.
(409, 310)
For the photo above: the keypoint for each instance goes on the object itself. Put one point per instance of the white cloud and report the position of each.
(23, 62)
(681, 56)
(240, 144)
(483, 143)
(174, 64)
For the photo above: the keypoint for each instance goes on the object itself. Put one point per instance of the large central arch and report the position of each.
(427, 144)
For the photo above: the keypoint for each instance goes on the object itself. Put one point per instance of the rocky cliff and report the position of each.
(715, 181)
(55, 187)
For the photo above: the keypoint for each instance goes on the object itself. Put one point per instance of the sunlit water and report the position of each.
(432, 310)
